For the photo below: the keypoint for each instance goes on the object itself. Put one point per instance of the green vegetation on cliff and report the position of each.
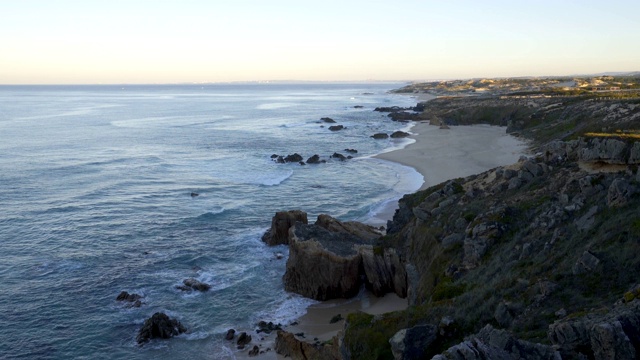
(527, 248)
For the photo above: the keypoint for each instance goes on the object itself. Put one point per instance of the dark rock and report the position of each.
(495, 344)
(358, 229)
(619, 193)
(302, 163)
(230, 334)
(268, 327)
(399, 134)
(358, 107)
(315, 159)
(125, 296)
(274, 156)
(601, 335)
(338, 156)
(336, 318)
(255, 351)
(243, 339)
(353, 151)
(586, 263)
(328, 120)
(389, 109)
(414, 343)
(280, 224)
(159, 326)
(336, 127)
(293, 158)
(194, 194)
(379, 136)
(193, 284)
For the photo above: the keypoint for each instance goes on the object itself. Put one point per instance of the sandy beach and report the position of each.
(444, 154)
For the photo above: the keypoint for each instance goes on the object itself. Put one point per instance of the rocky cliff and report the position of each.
(536, 260)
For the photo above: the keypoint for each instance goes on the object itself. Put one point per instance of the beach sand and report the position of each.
(439, 155)
(444, 154)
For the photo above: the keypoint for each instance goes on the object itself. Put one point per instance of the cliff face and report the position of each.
(533, 249)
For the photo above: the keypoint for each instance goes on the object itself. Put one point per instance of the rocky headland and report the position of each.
(534, 260)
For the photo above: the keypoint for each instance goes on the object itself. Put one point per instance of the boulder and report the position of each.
(586, 263)
(230, 334)
(293, 158)
(328, 120)
(159, 326)
(315, 159)
(288, 346)
(338, 156)
(413, 343)
(243, 340)
(619, 193)
(125, 296)
(280, 224)
(336, 127)
(255, 351)
(268, 327)
(399, 134)
(193, 284)
(352, 151)
(379, 136)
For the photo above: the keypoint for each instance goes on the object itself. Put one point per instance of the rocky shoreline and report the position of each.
(532, 260)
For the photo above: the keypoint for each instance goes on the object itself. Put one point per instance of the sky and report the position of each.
(183, 41)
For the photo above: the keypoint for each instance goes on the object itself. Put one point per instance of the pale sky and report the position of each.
(169, 41)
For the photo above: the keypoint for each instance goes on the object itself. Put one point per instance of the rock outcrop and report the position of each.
(193, 284)
(495, 344)
(333, 259)
(279, 232)
(380, 136)
(322, 265)
(159, 326)
(613, 334)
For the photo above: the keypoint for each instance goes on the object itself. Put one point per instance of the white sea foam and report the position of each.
(273, 106)
(288, 310)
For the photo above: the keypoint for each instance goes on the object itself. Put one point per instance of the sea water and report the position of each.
(95, 199)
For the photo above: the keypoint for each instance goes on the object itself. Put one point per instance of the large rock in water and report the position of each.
(159, 326)
(280, 224)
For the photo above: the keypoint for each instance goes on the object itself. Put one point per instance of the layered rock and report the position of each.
(413, 343)
(495, 344)
(614, 334)
(322, 265)
(384, 271)
(279, 232)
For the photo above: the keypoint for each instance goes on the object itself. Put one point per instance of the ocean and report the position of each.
(95, 199)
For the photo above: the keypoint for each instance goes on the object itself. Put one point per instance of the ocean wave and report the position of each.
(287, 311)
(211, 213)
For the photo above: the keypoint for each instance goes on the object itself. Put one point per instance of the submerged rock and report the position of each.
(336, 127)
(193, 284)
(379, 136)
